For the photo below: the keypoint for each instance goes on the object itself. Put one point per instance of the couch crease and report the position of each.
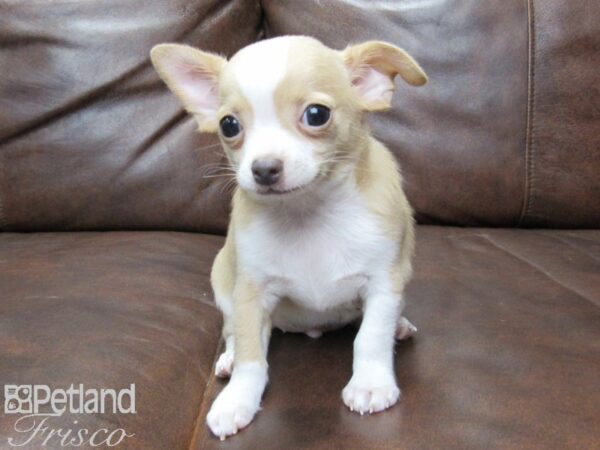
(540, 270)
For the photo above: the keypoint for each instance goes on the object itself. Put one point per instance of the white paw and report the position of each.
(370, 392)
(227, 420)
(404, 329)
(224, 365)
(238, 403)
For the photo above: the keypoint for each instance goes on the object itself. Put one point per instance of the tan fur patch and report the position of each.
(224, 269)
(379, 180)
(244, 208)
(248, 320)
(315, 74)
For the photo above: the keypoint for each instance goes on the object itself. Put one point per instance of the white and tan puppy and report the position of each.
(321, 233)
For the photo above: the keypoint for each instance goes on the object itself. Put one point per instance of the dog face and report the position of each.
(289, 110)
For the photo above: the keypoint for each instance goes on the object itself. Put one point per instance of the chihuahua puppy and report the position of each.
(321, 233)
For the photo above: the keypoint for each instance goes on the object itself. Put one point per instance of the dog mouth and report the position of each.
(275, 191)
(281, 192)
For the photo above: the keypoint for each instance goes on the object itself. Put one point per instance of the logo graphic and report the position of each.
(18, 399)
(38, 407)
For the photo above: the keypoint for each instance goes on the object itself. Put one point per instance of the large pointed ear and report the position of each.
(193, 76)
(373, 65)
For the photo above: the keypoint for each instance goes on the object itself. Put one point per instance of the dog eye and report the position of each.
(316, 115)
(230, 126)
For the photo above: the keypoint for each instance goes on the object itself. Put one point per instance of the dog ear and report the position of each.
(373, 65)
(193, 76)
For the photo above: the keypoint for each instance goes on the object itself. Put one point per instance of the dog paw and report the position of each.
(224, 365)
(371, 391)
(227, 420)
(239, 401)
(404, 329)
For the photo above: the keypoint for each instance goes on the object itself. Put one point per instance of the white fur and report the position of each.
(319, 251)
(258, 70)
(239, 401)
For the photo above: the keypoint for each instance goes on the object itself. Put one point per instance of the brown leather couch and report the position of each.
(109, 224)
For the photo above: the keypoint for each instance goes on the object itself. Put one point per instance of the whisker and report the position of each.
(222, 175)
(217, 169)
(215, 165)
(213, 170)
(228, 186)
(208, 146)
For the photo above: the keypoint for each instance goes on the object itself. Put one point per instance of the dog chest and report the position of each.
(319, 261)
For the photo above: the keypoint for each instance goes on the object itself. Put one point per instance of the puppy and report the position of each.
(321, 233)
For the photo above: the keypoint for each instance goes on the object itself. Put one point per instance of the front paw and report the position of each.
(225, 419)
(238, 403)
(370, 394)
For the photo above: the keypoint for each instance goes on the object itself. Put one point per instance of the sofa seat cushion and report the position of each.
(507, 354)
(107, 310)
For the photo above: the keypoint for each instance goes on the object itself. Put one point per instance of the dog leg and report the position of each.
(239, 401)
(372, 387)
(223, 284)
(224, 365)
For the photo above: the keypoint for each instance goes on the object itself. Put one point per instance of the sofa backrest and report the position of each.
(506, 133)
(90, 138)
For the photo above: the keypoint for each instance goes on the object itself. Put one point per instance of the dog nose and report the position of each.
(267, 171)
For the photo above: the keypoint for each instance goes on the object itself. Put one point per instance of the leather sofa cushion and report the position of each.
(506, 355)
(107, 310)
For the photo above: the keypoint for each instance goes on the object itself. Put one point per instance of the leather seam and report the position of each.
(3, 219)
(199, 435)
(529, 148)
(540, 269)
(577, 248)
